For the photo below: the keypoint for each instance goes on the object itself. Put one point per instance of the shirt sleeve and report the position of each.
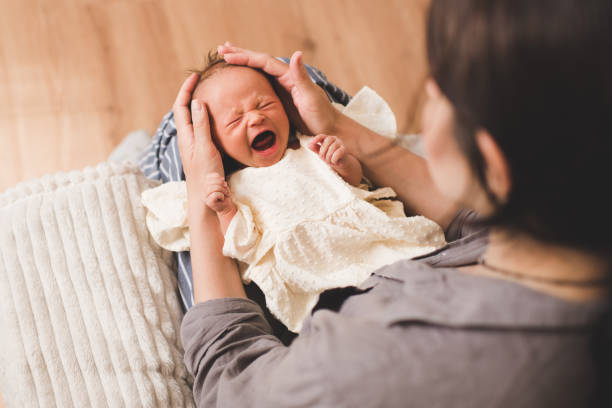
(236, 361)
(243, 236)
(334, 362)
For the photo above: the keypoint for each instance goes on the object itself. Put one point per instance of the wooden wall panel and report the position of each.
(77, 75)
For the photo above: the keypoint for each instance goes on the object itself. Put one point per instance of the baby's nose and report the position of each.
(255, 118)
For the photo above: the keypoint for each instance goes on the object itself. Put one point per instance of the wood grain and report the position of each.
(77, 75)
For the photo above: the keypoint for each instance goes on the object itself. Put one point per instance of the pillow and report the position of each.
(88, 302)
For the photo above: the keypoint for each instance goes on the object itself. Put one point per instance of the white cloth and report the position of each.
(300, 228)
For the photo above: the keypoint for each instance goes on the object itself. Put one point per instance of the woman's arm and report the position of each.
(388, 164)
(383, 163)
(237, 362)
(214, 275)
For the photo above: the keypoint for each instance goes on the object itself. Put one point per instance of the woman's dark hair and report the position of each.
(537, 75)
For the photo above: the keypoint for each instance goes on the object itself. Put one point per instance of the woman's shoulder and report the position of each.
(413, 290)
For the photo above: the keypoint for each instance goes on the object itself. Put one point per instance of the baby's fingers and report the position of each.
(315, 143)
(329, 140)
(337, 155)
(330, 151)
(213, 200)
(217, 196)
(217, 187)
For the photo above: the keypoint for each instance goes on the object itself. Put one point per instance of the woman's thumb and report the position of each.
(298, 71)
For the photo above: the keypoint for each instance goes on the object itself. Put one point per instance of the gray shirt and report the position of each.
(417, 333)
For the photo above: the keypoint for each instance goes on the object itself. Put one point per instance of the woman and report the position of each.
(517, 127)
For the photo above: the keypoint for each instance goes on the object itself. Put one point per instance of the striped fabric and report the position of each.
(88, 305)
(161, 161)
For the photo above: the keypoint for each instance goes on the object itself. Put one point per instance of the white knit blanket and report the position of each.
(89, 313)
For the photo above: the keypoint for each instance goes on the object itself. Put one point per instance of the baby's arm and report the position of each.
(332, 151)
(218, 198)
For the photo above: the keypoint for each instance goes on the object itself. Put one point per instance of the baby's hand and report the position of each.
(330, 149)
(217, 192)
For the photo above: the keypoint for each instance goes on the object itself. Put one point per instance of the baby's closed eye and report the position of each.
(233, 121)
(264, 105)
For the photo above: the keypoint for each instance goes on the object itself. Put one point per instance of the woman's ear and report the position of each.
(497, 170)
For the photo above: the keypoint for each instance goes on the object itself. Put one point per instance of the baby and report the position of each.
(251, 129)
(295, 218)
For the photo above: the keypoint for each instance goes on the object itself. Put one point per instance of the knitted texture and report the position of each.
(88, 305)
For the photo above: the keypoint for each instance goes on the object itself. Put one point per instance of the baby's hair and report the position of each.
(213, 63)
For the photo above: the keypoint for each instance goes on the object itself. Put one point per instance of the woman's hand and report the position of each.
(314, 114)
(214, 275)
(198, 153)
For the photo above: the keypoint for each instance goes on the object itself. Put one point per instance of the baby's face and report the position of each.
(248, 119)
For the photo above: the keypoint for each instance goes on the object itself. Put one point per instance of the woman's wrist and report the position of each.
(350, 132)
(226, 217)
(214, 274)
(197, 210)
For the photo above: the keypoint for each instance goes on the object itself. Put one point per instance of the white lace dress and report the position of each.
(301, 229)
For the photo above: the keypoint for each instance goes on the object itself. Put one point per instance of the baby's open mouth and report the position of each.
(264, 141)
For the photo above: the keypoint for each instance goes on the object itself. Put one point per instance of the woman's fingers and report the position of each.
(201, 124)
(182, 116)
(307, 105)
(206, 157)
(240, 56)
(298, 71)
